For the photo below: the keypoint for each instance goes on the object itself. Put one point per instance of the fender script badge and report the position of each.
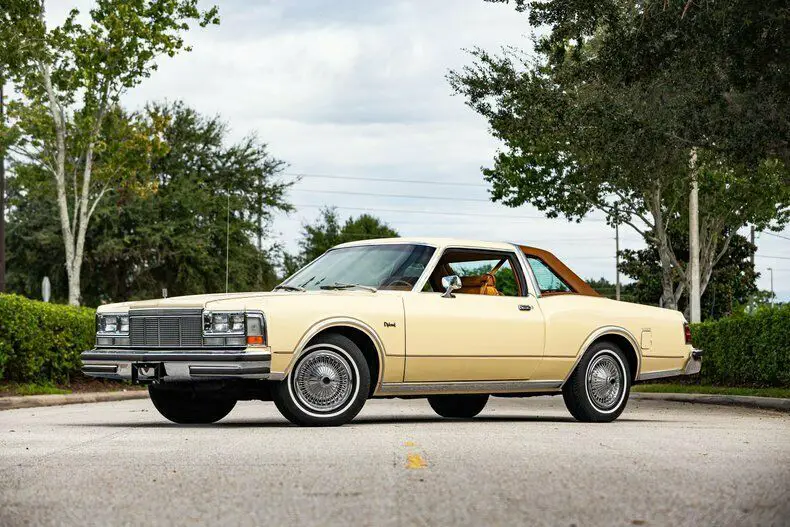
(389, 324)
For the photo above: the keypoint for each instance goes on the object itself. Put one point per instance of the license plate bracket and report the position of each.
(147, 372)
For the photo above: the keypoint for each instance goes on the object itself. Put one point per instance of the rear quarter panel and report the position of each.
(573, 320)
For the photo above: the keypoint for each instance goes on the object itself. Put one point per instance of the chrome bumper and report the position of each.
(177, 365)
(693, 365)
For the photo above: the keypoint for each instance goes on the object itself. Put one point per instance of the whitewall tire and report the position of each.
(597, 390)
(327, 386)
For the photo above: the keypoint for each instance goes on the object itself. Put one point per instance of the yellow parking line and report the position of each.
(415, 461)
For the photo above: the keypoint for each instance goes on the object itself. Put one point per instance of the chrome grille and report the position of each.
(166, 328)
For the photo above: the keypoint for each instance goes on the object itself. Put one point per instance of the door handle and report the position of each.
(524, 307)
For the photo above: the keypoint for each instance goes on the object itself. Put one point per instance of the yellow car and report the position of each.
(455, 321)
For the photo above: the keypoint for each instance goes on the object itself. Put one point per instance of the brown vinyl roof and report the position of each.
(560, 269)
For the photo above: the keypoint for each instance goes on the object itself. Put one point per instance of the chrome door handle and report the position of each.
(524, 307)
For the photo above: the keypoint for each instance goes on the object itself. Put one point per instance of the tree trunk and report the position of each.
(668, 299)
(694, 271)
(2, 191)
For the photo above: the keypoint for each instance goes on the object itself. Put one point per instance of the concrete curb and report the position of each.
(31, 401)
(765, 403)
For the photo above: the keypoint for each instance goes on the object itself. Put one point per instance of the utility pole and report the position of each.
(751, 239)
(694, 294)
(2, 191)
(617, 261)
(772, 285)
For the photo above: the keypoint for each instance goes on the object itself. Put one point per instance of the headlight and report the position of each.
(113, 324)
(223, 323)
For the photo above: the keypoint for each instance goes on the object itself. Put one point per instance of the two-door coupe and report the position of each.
(451, 320)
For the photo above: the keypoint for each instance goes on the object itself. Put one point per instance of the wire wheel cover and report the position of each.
(604, 382)
(323, 381)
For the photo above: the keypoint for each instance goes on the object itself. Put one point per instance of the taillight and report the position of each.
(687, 332)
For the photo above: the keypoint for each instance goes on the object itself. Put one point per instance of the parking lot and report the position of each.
(523, 461)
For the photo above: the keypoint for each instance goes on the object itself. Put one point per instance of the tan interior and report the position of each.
(484, 284)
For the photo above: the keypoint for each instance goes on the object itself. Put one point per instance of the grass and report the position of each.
(783, 393)
(77, 385)
(30, 388)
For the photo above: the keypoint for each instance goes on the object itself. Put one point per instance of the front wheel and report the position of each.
(184, 406)
(458, 406)
(327, 386)
(597, 390)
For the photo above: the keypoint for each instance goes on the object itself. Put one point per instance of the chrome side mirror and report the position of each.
(450, 284)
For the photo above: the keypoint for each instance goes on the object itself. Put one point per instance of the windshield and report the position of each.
(391, 266)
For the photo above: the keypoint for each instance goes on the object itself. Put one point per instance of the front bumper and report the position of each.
(177, 365)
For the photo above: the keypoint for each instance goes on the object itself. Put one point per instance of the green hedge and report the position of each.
(746, 350)
(42, 342)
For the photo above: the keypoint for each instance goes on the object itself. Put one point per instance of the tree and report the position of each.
(19, 36)
(326, 232)
(72, 85)
(205, 201)
(731, 286)
(619, 98)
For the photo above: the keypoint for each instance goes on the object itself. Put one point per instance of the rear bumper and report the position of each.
(177, 365)
(693, 365)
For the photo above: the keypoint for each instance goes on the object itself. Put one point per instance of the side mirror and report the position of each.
(450, 284)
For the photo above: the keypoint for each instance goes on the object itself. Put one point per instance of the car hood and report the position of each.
(222, 301)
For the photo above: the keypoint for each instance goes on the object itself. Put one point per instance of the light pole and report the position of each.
(772, 285)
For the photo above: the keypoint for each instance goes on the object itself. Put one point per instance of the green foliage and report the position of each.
(165, 232)
(41, 342)
(71, 80)
(606, 115)
(327, 232)
(731, 285)
(607, 289)
(749, 350)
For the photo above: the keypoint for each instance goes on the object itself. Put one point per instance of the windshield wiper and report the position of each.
(341, 285)
(289, 288)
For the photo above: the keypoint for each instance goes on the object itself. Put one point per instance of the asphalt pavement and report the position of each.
(521, 462)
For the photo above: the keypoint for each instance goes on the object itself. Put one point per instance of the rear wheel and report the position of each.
(185, 406)
(327, 386)
(458, 406)
(597, 390)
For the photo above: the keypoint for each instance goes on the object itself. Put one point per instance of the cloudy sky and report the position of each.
(358, 90)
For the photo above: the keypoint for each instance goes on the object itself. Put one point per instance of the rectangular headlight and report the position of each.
(112, 324)
(223, 323)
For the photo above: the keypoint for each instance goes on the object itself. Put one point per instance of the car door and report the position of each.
(473, 336)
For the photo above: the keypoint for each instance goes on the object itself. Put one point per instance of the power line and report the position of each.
(774, 257)
(776, 235)
(378, 194)
(475, 222)
(385, 180)
(413, 211)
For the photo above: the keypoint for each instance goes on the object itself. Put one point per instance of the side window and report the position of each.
(548, 282)
(482, 273)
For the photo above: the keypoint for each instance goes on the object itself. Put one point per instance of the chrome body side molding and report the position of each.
(414, 388)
